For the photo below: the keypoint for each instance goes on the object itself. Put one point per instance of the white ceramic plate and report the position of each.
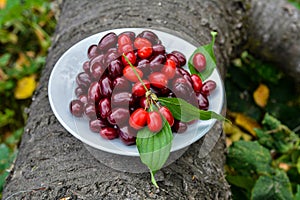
(62, 84)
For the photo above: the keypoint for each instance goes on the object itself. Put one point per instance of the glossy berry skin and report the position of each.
(76, 108)
(105, 86)
(144, 52)
(96, 125)
(97, 67)
(164, 111)
(180, 57)
(119, 116)
(131, 57)
(138, 118)
(129, 130)
(130, 75)
(161, 92)
(121, 99)
(99, 60)
(124, 39)
(150, 36)
(141, 42)
(125, 48)
(158, 49)
(121, 84)
(138, 88)
(108, 41)
(157, 62)
(154, 121)
(115, 69)
(86, 67)
(83, 80)
(208, 87)
(83, 98)
(179, 126)
(169, 69)
(143, 103)
(126, 138)
(109, 133)
(92, 51)
(104, 108)
(144, 66)
(199, 62)
(197, 83)
(94, 92)
(158, 79)
(202, 101)
(80, 91)
(90, 110)
(96, 71)
(130, 34)
(111, 56)
(174, 58)
(181, 88)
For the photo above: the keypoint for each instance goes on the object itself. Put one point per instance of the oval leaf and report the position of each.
(186, 112)
(154, 148)
(208, 52)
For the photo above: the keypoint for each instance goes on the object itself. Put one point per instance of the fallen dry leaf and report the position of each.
(25, 87)
(286, 167)
(261, 95)
(234, 133)
(22, 61)
(3, 76)
(246, 123)
(2, 4)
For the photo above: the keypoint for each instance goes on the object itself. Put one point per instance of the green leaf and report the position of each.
(277, 187)
(264, 138)
(3, 176)
(298, 165)
(297, 195)
(208, 52)
(245, 182)
(4, 157)
(7, 117)
(4, 60)
(239, 193)
(271, 121)
(249, 157)
(186, 112)
(154, 148)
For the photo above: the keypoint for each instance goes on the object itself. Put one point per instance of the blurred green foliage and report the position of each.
(296, 3)
(25, 30)
(267, 168)
(245, 75)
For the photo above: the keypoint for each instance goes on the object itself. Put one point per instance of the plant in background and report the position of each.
(263, 160)
(25, 29)
(268, 168)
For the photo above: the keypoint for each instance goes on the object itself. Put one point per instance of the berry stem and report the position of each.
(135, 72)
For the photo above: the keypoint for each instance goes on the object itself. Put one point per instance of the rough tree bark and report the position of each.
(52, 164)
(274, 34)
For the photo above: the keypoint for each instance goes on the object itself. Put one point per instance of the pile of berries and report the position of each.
(117, 98)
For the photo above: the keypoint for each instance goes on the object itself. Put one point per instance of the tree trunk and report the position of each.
(52, 164)
(274, 34)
